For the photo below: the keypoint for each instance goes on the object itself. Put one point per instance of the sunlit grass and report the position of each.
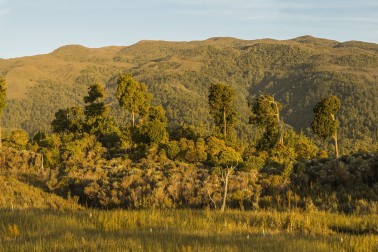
(185, 230)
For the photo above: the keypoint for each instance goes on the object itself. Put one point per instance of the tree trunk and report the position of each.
(280, 137)
(225, 179)
(336, 144)
(133, 118)
(224, 125)
(335, 138)
(225, 190)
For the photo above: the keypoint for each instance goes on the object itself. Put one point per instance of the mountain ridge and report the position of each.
(300, 71)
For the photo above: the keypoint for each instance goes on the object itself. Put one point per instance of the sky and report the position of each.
(30, 27)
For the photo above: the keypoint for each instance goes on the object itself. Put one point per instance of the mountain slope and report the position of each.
(299, 72)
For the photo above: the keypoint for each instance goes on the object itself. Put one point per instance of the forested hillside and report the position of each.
(298, 72)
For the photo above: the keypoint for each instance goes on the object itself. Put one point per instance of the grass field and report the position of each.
(185, 230)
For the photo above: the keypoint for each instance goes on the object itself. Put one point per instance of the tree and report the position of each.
(325, 123)
(3, 98)
(94, 106)
(266, 113)
(133, 96)
(68, 120)
(228, 160)
(98, 121)
(221, 98)
(154, 129)
(18, 139)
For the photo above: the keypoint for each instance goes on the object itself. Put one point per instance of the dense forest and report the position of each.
(222, 123)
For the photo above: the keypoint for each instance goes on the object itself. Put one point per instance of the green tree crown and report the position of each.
(221, 102)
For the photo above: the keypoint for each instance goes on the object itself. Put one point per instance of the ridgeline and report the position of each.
(298, 72)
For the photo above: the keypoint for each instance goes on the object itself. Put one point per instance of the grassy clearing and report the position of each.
(185, 230)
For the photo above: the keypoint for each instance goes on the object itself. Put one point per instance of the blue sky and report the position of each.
(30, 27)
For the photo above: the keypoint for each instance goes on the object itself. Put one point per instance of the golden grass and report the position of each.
(182, 230)
(15, 194)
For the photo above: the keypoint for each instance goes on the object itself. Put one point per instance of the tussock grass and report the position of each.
(183, 230)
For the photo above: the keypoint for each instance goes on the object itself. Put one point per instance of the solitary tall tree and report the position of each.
(221, 98)
(133, 96)
(3, 98)
(266, 113)
(325, 123)
(95, 107)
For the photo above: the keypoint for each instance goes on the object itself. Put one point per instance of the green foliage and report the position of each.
(300, 72)
(221, 102)
(266, 114)
(94, 106)
(229, 157)
(172, 149)
(107, 166)
(338, 184)
(154, 128)
(80, 153)
(36, 110)
(17, 139)
(325, 124)
(132, 95)
(95, 93)
(68, 120)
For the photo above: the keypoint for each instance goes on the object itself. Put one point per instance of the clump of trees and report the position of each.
(139, 164)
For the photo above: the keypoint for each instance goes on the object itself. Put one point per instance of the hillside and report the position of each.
(15, 194)
(299, 72)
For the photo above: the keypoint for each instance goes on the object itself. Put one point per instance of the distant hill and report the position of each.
(299, 72)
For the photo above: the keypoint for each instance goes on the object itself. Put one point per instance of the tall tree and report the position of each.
(221, 98)
(94, 105)
(325, 123)
(3, 98)
(133, 96)
(98, 121)
(266, 113)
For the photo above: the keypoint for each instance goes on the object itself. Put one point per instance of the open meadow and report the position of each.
(185, 230)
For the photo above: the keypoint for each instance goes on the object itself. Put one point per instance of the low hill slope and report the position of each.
(18, 195)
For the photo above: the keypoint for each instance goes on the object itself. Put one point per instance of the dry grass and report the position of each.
(15, 194)
(182, 230)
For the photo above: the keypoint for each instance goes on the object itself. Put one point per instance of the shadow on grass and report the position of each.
(354, 231)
